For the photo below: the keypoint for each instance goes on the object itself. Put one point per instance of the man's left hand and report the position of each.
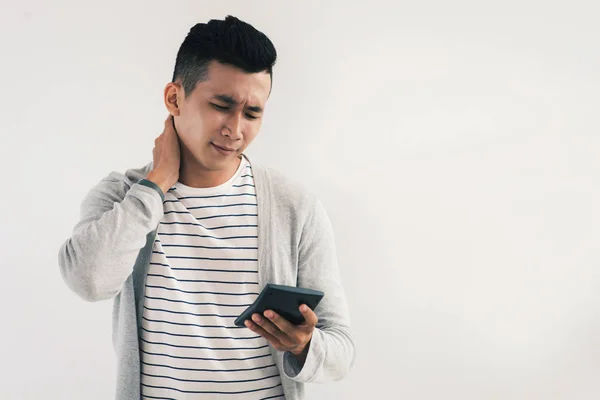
(282, 334)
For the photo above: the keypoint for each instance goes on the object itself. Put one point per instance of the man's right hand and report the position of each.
(166, 156)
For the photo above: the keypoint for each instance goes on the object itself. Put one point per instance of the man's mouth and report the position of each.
(223, 149)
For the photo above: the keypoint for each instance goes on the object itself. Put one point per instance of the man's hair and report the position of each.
(230, 41)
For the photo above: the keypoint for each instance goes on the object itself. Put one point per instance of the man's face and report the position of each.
(226, 110)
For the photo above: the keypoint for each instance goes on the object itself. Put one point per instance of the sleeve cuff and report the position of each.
(154, 186)
(314, 359)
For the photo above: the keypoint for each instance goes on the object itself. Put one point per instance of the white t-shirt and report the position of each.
(203, 274)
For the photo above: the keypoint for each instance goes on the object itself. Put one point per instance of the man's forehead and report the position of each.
(224, 79)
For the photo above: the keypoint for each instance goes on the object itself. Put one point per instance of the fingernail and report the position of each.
(303, 308)
(256, 317)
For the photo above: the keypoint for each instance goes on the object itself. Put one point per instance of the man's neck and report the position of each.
(194, 175)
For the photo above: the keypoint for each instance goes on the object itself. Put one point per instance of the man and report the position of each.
(186, 243)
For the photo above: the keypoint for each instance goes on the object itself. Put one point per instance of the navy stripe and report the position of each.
(210, 381)
(204, 358)
(245, 184)
(206, 247)
(176, 212)
(223, 206)
(212, 196)
(227, 215)
(211, 216)
(272, 397)
(203, 337)
(217, 206)
(205, 258)
(189, 313)
(207, 236)
(205, 347)
(208, 370)
(204, 281)
(198, 304)
(196, 325)
(203, 269)
(191, 292)
(205, 392)
(160, 398)
(208, 229)
(214, 270)
(243, 176)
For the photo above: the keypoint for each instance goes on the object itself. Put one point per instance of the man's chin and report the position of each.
(215, 163)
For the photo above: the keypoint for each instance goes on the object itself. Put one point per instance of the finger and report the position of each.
(170, 127)
(283, 324)
(310, 317)
(260, 331)
(270, 328)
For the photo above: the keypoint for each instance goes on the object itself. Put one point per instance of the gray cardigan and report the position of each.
(108, 253)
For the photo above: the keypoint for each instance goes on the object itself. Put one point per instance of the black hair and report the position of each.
(230, 41)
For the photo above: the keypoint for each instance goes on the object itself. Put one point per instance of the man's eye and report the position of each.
(251, 116)
(218, 107)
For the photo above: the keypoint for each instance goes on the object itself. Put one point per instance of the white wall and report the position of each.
(454, 146)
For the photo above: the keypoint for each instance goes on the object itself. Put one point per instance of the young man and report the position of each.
(186, 243)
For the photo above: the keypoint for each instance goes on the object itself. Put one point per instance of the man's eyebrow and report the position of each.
(232, 102)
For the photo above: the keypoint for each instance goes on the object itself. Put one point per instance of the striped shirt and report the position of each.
(202, 275)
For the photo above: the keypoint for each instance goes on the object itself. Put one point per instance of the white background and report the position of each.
(453, 144)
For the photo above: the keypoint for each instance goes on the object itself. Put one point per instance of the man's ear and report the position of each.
(173, 95)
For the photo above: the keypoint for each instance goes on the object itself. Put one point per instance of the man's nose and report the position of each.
(234, 125)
